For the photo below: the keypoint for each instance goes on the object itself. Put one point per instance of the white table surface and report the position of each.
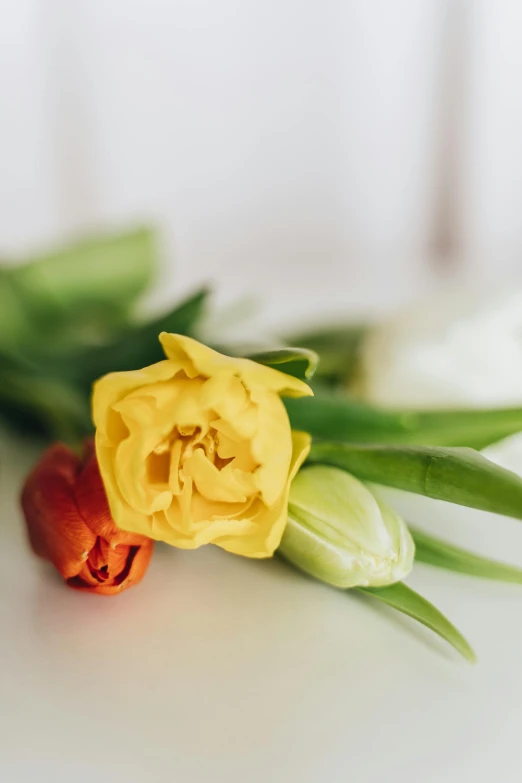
(218, 669)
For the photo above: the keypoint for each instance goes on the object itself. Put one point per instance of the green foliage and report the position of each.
(67, 318)
(337, 348)
(442, 554)
(338, 417)
(410, 603)
(80, 293)
(298, 362)
(136, 347)
(460, 476)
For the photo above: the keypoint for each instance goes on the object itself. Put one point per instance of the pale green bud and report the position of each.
(339, 532)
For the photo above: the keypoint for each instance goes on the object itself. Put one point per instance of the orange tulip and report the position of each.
(69, 523)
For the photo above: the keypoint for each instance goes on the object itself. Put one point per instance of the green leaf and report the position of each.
(50, 394)
(138, 346)
(15, 326)
(103, 269)
(74, 295)
(39, 404)
(335, 417)
(461, 476)
(441, 554)
(337, 348)
(299, 362)
(407, 601)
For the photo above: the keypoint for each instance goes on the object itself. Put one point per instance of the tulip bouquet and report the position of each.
(193, 446)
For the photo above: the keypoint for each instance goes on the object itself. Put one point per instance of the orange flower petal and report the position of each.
(129, 563)
(69, 523)
(56, 529)
(94, 508)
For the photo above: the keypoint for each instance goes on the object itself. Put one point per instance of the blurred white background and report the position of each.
(323, 144)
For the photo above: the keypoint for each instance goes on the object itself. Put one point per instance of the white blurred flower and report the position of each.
(460, 351)
(507, 453)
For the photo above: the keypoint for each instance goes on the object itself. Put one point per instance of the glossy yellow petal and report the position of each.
(112, 388)
(269, 523)
(271, 446)
(208, 363)
(226, 486)
(198, 449)
(225, 394)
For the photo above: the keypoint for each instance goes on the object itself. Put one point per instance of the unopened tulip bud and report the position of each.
(340, 533)
(69, 523)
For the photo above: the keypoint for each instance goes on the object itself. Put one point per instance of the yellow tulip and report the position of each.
(198, 449)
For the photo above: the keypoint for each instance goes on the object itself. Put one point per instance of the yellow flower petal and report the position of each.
(271, 446)
(112, 388)
(226, 486)
(198, 449)
(270, 523)
(208, 363)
